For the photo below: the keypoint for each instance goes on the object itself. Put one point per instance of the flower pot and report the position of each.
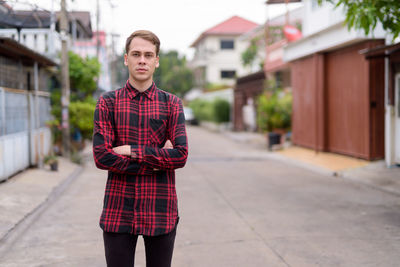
(273, 139)
(54, 166)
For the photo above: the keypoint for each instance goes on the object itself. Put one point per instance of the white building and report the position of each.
(217, 57)
(36, 30)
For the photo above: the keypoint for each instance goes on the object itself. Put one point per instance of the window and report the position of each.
(46, 42)
(228, 74)
(227, 44)
(35, 41)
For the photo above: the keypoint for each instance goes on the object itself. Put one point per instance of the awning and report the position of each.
(11, 48)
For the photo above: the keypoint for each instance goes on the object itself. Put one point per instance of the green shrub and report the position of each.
(221, 110)
(217, 110)
(274, 111)
(81, 116)
(202, 109)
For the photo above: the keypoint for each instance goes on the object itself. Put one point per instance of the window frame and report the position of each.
(226, 41)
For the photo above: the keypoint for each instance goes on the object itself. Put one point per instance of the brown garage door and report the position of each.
(347, 102)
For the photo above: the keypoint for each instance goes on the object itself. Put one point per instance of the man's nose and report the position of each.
(142, 59)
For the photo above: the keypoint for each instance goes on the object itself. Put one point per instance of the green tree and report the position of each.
(250, 54)
(83, 73)
(365, 14)
(173, 75)
(121, 71)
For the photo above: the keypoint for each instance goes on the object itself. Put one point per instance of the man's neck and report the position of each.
(140, 86)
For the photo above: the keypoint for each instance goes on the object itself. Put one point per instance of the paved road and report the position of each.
(238, 207)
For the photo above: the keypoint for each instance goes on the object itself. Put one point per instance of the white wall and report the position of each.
(324, 30)
(317, 18)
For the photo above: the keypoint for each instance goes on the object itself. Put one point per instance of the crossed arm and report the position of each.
(135, 159)
(125, 150)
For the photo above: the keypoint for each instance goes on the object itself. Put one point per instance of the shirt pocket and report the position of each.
(158, 131)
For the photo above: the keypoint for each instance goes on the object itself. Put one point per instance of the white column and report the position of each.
(389, 121)
(3, 111)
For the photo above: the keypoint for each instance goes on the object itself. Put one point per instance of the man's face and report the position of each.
(141, 60)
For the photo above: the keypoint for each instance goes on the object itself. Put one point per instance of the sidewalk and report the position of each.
(374, 174)
(27, 193)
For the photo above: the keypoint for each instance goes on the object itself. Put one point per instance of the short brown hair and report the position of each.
(147, 35)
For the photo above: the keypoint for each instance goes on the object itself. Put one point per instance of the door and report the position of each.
(397, 120)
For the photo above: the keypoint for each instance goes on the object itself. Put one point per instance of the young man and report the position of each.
(140, 138)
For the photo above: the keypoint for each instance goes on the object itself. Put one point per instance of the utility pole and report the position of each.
(65, 81)
(97, 29)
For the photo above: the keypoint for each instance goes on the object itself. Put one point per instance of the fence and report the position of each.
(24, 137)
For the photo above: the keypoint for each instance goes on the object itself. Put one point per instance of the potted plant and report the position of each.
(274, 114)
(52, 161)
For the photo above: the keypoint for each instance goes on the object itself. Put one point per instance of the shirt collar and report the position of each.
(133, 92)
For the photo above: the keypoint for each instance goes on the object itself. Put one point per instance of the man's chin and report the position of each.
(142, 78)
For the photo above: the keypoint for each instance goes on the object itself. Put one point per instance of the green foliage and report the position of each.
(83, 74)
(274, 111)
(366, 14)
(211, 87)
(221, 110)
(173, 75)
(202, 109)
(50, 159)
(217, 110)
(121, 71)
(81, 116)
(250, 54)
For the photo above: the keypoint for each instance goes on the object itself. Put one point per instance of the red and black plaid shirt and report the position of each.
(140, 196)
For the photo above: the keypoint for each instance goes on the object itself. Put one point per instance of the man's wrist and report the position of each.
(135, 152)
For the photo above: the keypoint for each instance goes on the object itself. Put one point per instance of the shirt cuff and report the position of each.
(137, 153)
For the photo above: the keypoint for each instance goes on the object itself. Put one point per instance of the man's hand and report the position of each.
(168, 145)
(124, 150)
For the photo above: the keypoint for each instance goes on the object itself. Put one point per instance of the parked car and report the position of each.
(189, 116)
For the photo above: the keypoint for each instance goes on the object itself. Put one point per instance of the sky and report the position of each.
(176, 22)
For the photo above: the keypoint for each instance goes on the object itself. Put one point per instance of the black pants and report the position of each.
(120, 249)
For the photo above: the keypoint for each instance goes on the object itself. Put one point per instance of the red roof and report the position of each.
(232, 26)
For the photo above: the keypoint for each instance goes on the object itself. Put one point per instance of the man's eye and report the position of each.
(149, 55)
(136, 54)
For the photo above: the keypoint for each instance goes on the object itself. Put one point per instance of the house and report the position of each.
(24, 107)
(271, 41)
(338, 96)
(217, 57)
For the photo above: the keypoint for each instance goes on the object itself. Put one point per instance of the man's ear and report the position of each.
(158, 62)
(125, 59)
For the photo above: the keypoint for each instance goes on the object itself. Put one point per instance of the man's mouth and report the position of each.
(141, 70)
